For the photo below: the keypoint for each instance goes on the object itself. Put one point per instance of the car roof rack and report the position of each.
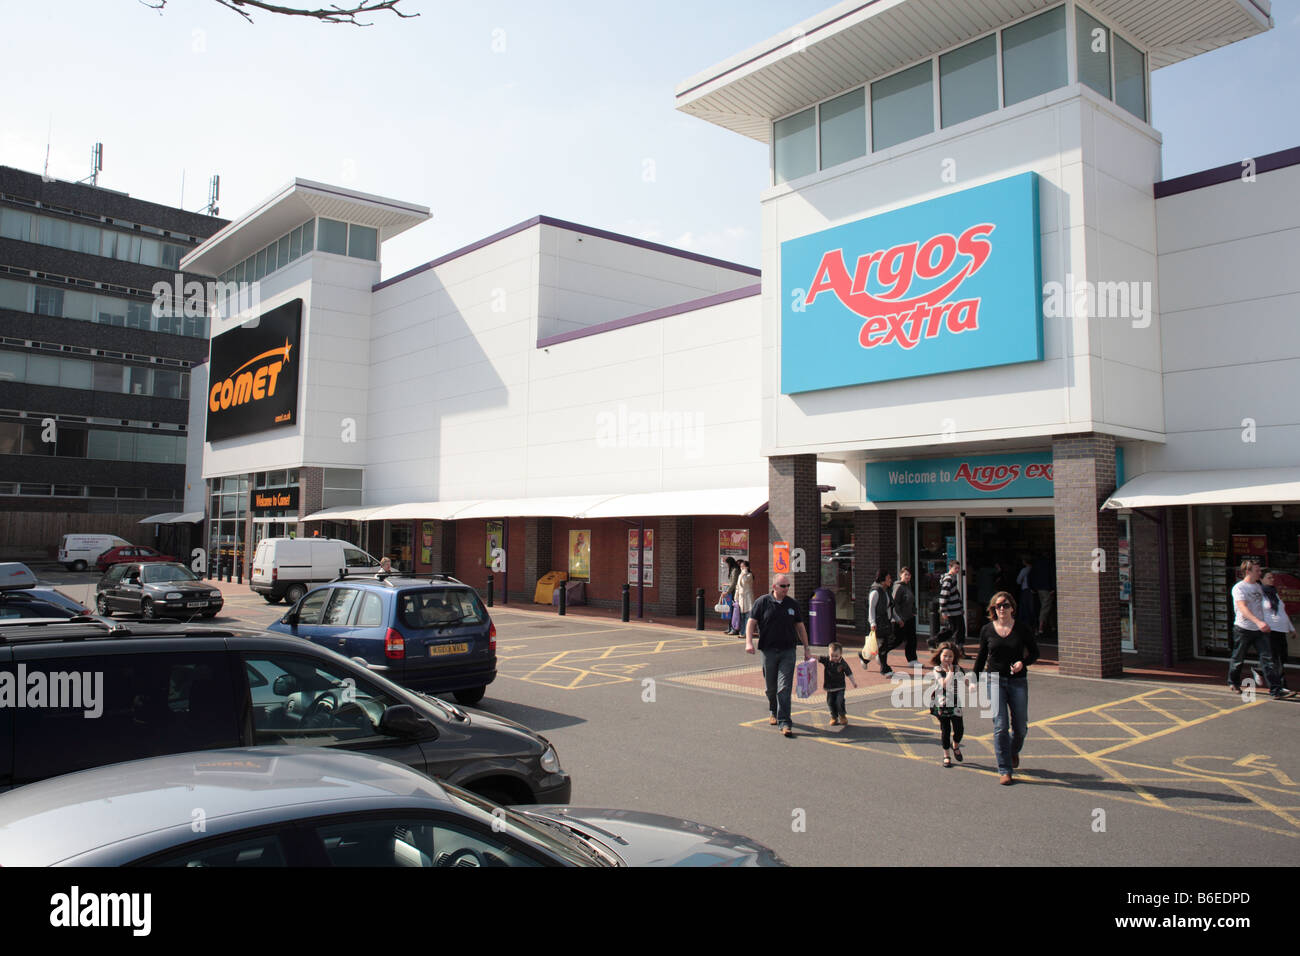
(436, 576)
(383, 576)
(33, 630)
(343, 574)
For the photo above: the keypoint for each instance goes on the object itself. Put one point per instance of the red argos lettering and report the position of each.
(988, 478)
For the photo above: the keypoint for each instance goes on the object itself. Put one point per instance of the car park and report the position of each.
(133, 553)
(79, 551)
(23, 597)
(299, 806)
(161, 688)
(284, 569)
(430, 633)
(156, 590)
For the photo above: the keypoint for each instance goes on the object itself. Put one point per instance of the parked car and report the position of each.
(433, 633)
(22, 596)
(157, 688)
(300, 806)
(156, 590)
(286, 568)
(130, 553)
(79, 551)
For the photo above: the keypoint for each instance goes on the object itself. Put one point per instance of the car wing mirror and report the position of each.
(285, 685)
(403, 720)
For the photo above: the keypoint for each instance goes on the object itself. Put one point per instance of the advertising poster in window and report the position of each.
(426, 542)
(579, 555)
(493, 539)
(732, 543)
(1253, 546)
(648, 565)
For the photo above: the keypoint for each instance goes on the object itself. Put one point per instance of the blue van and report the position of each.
(429, 634)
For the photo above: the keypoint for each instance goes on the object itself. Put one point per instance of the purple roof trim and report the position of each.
(719, 298)
(1226, 174)
(571, 227)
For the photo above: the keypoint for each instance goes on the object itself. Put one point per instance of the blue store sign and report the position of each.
(977, 476)
(948, 284)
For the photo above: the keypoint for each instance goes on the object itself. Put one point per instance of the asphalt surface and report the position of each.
(1114, 773)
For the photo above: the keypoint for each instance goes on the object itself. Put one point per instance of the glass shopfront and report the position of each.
(1222, 537)
(227, 520)
(837, 564)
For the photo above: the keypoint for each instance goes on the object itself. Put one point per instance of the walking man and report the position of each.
(904, 616)
(777, 622)
(1251, 630)
(951, 608)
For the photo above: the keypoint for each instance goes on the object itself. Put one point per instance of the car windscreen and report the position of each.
(440, 607)
(166, 573)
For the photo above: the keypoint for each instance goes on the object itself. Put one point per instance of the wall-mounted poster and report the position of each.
(734, 543)
(426, 543)
(579, 555)
(648, 564)
(495, 538)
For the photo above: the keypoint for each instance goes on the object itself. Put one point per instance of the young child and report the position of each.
(947, 682)
(837, 669)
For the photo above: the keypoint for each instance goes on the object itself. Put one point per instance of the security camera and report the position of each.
(1277, 511)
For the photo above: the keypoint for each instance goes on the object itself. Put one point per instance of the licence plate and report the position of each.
(197, 604)
(437, 649)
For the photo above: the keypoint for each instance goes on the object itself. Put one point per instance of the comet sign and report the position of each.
(253, 383)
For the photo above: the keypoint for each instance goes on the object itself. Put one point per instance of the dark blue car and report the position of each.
(429, 634)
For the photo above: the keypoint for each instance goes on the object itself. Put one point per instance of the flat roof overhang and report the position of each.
(291, 206)
(858, 41)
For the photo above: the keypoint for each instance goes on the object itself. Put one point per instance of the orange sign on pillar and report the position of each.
(781, 557)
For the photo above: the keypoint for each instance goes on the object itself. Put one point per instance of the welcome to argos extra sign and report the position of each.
(948, 284)
(253, 383)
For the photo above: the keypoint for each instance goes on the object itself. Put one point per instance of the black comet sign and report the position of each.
(254, 375)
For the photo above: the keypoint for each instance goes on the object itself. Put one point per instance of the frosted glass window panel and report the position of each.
(796, 146)
(172, 255)
(282, 252)
(101, 445)
(13, 367)
(968, 81)
(308, 234)
(843, 128)
(42, 370)
(15, 224)
(55, 232)
(13, 295)
(74, 373)
(110, 311)
(295, 243)
(1130, 78)
(109, 378)
(78, 305)
(1093, 49)
(333, 237)
(166, 383)
(1033, 57)
(363, 242)
(902, 106)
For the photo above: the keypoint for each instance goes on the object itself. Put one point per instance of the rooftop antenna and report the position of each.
(96, 164)
(214, 193)
(49, 134)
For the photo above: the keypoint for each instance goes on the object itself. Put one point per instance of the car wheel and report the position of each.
(271, 599)
(499, 797)
(147, 610)
(101, 606)
(470, 697)
(78, 565)
(294, 594)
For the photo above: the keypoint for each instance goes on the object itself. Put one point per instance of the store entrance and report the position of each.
(998, 549)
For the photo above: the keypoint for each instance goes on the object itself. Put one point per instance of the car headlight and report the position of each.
(550, 760)
(214, 594)
(174, 595)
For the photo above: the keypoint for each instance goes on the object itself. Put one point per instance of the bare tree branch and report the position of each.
(331, 14)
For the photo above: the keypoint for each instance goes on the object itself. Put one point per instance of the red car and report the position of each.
(130, 552)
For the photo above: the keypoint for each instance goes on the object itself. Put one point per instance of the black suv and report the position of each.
(116, 693)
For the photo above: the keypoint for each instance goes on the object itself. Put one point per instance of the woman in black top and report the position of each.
(1007, 647)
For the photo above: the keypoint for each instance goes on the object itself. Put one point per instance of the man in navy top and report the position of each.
(777, 621)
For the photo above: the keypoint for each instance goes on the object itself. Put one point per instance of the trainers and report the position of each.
(1283, 695)
(1234, 688)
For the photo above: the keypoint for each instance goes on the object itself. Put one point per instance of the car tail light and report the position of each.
(394, 645)
(275, 574)
(492, 636)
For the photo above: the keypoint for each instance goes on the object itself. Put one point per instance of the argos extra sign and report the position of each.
(948, 284)
(1026, 475)
(253, 377)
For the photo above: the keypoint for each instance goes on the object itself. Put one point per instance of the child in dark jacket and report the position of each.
(837, 669)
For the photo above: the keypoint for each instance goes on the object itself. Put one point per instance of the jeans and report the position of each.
(1243, 641)
(778, 674)
(1010, 698)
(835, 701)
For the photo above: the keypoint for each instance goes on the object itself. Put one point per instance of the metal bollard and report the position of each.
(627, 603)
(239, 574)
(699, 609)
(490, 588)
(564, 598)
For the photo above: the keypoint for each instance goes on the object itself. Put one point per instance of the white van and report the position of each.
(79, 551)
(284, 568)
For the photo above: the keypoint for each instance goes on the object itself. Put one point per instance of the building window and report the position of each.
(843, 128)
(1034, 57)
(902, 106)
(333, 237)
(968, 81)
(1092, 43)
(1130, 78)
(795, 141)
(363, 242)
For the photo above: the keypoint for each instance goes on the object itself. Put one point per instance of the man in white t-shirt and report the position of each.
(1251, 630)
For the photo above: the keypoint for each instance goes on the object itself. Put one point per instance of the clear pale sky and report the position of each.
(488, 113)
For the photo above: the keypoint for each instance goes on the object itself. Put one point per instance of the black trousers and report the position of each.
(952, 729)
(904, 636)
(950, 629)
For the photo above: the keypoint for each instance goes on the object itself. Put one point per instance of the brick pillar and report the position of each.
(674, 557)
(794, 515)
(875, 546)
(1087, 601)
(442, 550)
(311, 494)
(537, 553)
